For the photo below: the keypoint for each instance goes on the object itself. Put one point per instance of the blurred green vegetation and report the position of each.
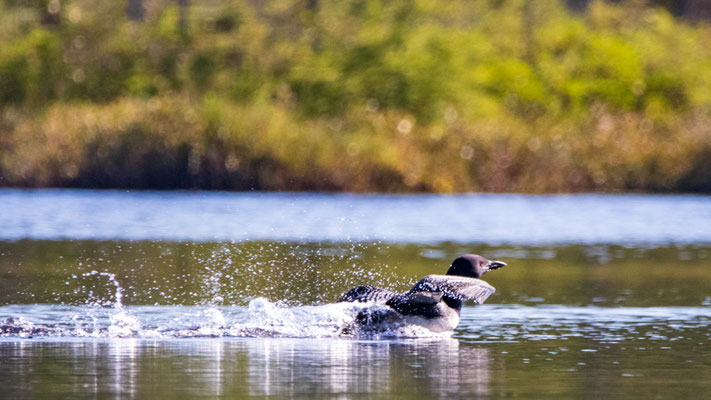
(356, 95)
(155, 272)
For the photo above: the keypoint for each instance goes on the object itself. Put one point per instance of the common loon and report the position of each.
(433, 303)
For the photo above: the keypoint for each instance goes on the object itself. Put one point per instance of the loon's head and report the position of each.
(473, 266)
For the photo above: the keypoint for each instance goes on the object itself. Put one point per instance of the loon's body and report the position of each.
(433, 303)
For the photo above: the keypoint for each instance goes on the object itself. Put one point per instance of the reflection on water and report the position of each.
(497, 351)
(328, 368)
(282, 367)
(255, 367)
(165, 273)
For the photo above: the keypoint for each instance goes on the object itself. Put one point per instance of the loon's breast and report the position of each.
(446, 320)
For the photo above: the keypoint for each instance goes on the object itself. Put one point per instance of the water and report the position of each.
(165, 295)
(220, 216)
(499, 351)
(262, 318)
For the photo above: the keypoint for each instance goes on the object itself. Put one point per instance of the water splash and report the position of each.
(118, 294)
(304, 278)
(262, 318)
(121, 322)
(108, 317)
(294, 274)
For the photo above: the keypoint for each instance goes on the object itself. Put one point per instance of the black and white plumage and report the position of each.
(368, 294)
(434, 302)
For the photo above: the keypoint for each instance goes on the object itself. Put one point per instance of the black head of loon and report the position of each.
(473, 266)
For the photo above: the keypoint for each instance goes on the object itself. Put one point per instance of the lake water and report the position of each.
(221, 216)
(182, 295)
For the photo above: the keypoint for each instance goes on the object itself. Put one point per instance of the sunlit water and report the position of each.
(492, 219)
(181, 295)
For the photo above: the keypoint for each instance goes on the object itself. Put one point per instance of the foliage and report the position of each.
(359, 95)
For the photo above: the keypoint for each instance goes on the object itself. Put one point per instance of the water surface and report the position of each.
(222, 295)
(498, 352)
(466, 218)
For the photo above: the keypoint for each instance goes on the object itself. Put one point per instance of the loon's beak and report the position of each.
(496, 264)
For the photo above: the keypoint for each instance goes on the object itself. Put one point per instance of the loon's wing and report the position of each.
(457, 287)
(363, 294)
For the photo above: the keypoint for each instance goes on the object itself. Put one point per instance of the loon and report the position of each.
(434, 302)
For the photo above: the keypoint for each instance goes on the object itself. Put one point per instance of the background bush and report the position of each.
(357, 95)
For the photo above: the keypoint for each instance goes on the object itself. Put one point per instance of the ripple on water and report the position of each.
(501, 323)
